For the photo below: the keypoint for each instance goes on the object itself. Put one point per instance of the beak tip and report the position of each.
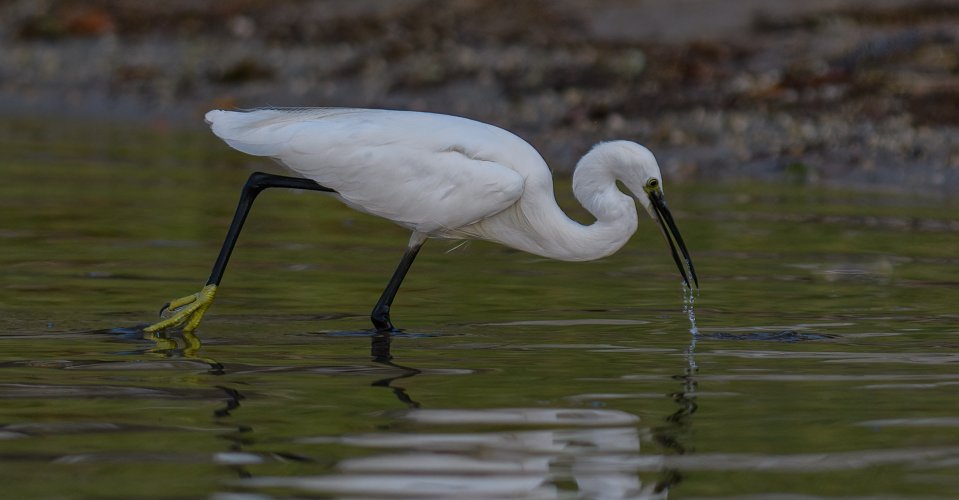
(671, 233)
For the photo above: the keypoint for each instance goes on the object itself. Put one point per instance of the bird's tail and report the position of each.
(261, 132)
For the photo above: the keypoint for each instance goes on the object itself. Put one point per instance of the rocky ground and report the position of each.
(829, 92)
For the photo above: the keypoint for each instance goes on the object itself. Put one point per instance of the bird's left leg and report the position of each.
(381, 311)
(187, 311)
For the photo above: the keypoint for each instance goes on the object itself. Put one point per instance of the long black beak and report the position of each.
(671, 232)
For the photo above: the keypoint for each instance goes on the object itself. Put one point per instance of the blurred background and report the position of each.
(830, 92)
(810, 156)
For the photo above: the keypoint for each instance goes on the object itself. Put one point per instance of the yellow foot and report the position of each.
(186, 312)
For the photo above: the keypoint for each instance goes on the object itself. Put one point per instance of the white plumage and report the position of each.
(449, 177)
(443, 177)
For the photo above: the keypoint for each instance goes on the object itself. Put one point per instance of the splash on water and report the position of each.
(689, 298)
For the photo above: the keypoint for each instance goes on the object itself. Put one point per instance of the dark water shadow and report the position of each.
(168, 344)
(675, 433)
(243, 446)
(380, 351)
(783, 336)
(372, 333)
(239, 436)
(242, 436)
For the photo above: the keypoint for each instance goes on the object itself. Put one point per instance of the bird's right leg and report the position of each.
(186, 312)
(381, 311)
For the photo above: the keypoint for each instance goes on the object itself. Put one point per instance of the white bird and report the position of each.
(440, 176)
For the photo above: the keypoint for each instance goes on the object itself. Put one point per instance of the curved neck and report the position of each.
(616, 221)
(594, 186)
(536, 224)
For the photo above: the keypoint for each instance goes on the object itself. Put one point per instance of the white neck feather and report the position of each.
(536, 224)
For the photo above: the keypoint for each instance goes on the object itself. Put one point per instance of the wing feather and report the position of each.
(430, 173)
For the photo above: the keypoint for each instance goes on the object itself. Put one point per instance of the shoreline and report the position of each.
(827, 93)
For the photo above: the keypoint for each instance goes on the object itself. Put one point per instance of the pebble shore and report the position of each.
(826, 93)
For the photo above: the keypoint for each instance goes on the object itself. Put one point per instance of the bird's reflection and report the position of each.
(675, 434)
(233, 398)
(185, 344)
(180, 344)
(587, 449)
(434, 456)
(240, 436)
(381, 353)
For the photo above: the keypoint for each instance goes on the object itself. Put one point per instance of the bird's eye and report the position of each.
(652, 185)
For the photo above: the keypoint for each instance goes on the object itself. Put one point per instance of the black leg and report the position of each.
(188, 311)
(381, 311)
(257, 182)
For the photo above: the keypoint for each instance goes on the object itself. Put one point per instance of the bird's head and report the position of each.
(636, 167)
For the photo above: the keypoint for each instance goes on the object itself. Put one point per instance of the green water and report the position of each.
(827, 361)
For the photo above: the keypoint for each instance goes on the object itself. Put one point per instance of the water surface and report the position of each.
(826, 362)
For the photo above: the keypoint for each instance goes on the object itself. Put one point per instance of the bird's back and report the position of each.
(429, 172)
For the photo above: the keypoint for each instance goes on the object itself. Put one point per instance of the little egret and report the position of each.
(440, 176)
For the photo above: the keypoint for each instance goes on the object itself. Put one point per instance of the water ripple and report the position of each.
(913, 422)
(926, 358)
(521, 416)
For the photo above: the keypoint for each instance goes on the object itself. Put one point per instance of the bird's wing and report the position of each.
(426, 172)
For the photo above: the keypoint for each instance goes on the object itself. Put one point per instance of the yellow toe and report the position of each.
(175, 304)
(186, 312)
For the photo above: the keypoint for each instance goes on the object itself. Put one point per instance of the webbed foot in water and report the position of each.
(185, 312)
